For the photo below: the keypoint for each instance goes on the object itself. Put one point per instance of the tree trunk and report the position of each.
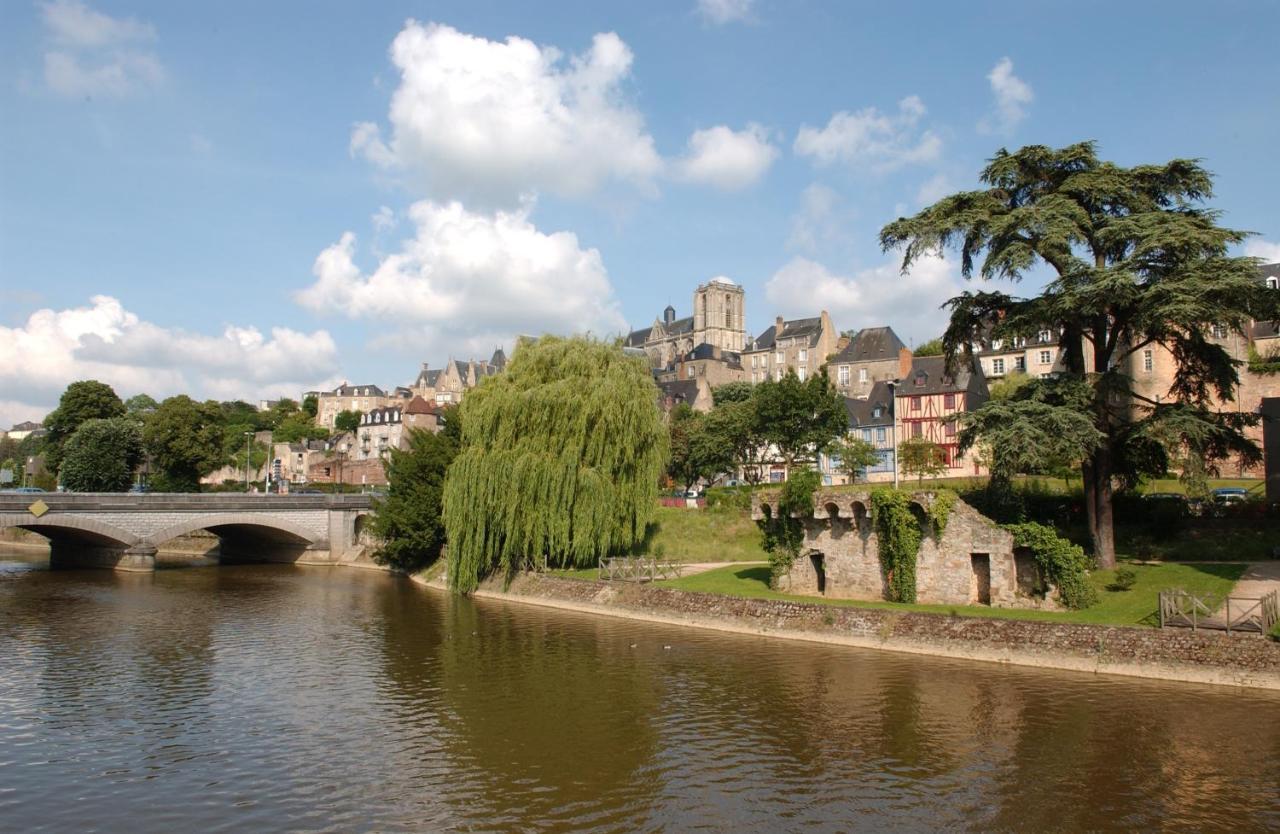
(1097, 503)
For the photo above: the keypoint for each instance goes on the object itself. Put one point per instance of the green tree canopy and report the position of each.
(856, 456)
(140, 404)
(84, 400)
(102, 455)
(408, 521)
(310, 405)
(347, 420)
(1136, 259)
(560, 461)
(933, 347)
(732, 430)
(921, 457)
(185, 441)
(698, 450)
(800, 418)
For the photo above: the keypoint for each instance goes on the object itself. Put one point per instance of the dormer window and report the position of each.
(1273, 283)
(877, 412)
(996, 344)
(920, 380)
(1046, 336)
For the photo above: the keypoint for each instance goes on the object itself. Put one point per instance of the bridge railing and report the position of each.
(218, 501)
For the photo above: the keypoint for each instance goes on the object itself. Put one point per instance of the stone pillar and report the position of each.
(140, 558)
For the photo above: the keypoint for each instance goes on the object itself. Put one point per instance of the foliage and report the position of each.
(102, 455)
(559, 464)
(296, 428)
(1137, 260)
(310, 405)
(1008, 386)
(1124, 580)
(347, 420)
(732, 392)
(856, 456)
(700, 448)
(185, 441)
(140, 405)
(84, 400)
(784, 529)
(939, 510)
(1264, 365)
(899, 537)
(233, 447)
(800, 418)
(1064, 564)
(408, 520)
(737, 498)
(733, 426)
(933, 347)
(921, 457)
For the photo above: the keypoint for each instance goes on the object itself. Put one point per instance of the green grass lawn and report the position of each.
(1136, 606)
(707, 535)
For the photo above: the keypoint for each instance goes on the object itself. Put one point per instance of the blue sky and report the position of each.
(247, 199)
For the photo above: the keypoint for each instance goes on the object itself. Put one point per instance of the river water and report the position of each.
(273, 698)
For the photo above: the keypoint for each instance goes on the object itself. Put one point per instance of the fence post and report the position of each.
(1228, 614)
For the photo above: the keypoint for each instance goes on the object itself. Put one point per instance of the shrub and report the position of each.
(1124, 580)
(729, 498)
(1062, 562)
(899, 536)
(783, 533)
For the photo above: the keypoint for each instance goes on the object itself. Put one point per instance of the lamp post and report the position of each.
(893, 428)
(247, 436)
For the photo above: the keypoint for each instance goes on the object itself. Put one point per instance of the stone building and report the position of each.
(800, 345)
(870, 419)
(927, 396)
(1038, 356)
(712, 364)
(719, 319)
(449, 384)
(973, 562)
(346, 397)
(695, 393)
(873, 354)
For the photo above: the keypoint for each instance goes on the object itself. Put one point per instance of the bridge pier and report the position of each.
(140, 558)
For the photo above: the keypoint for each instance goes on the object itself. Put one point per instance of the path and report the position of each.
(1261, 578)
(691, 568)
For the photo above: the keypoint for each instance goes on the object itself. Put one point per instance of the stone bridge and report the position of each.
(124, 531)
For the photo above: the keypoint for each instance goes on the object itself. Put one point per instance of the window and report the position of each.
(1148, 361)
(951, 429)
(866, 434)
(880, 435)
(949, 401)
(690, 372)
(1020, 363)
(1273, 283)
(802, 372)
(728, 317)
(877, 412)
(753, 361)
(843, 375)
(915, 403)
(804, 355)
(996, 344)
(862, 375)
(1019, 341)
(778, 357)
(920, 380)
(1046, 357)
(1219, 331)
(1046, 336)
(997, 367)
(917, 429)
(777, 374)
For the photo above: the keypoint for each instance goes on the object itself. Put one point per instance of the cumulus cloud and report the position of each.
(105, 341)
(727, 159)
(721, 12)
(467, 281)
(879, 141)
(1012, 95)
(821, 219)
(1268, 251)
(911, 303)
(492, 121)
(95, 54)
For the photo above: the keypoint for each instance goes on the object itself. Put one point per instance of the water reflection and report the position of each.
(281, 698)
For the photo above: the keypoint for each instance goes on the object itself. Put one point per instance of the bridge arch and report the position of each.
(262, 525)
(73, 529)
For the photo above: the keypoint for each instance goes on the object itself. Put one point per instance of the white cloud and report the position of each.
(880, 141)
(489, 121)
(933, 189)
(911, 303)
(721, 12)
(95, 54)
(467, 281)
(104, 341)
(1012, 95)
(726, 159)
(820, 219)
(1268, 251)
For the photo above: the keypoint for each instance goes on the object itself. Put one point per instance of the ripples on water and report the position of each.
(272, 698)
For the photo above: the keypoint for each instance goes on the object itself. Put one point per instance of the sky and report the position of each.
(249, 200)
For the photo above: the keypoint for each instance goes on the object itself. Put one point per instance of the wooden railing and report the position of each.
(1183, 609)
(638, 569)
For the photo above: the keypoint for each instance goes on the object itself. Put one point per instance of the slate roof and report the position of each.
(498, 360)
(794, 329)
(25, 426)
(680, 391)
(345, 390)
(708, 351)
(931, 370)
(679, 327)
(381, 416)
(428, 378)
(1268, 271)
(862, 412)
(871, 344)
(1265, 330)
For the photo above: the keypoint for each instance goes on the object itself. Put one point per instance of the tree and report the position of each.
(1136, 260)
(1008, 386)
(84, 400)
(921, 457)
(310, 405)
(296, 428)
(801, 419)
(856, 456)
(139, 404)
(185, 441)
(732, 392)
(102, 455)
(697, 451)
(559, 464)
(408, 521)
(933, 347)
(347, 420)
(734, 428)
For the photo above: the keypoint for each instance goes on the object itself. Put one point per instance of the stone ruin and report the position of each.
(974, 562)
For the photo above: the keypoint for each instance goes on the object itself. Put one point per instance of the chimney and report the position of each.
(777, 323)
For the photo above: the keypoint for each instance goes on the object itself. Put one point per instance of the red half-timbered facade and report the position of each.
(927, 396)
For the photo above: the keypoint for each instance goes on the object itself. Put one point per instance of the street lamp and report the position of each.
(893, 428)
(247, 436)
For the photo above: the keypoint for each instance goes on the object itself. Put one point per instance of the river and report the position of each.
(272, 698)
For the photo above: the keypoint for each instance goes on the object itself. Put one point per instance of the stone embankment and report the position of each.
(1171, 654)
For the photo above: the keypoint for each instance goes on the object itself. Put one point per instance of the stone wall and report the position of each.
(1169, 654)
(972, 563)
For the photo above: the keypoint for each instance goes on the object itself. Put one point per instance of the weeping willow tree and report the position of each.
(560, 462)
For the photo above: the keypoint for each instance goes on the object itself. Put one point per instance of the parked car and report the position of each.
(28, 490)
(1226, 496)
(139, 488)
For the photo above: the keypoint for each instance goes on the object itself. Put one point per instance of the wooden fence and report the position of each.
(1183, 609)
(638, 569)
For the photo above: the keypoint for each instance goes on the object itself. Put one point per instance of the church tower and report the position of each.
(719, 315)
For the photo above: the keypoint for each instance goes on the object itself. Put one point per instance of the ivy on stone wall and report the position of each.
(939, 510)
(1063, 563)
(899, 536)
(783, 533)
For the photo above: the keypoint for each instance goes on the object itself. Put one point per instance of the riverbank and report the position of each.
(1168, 654)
